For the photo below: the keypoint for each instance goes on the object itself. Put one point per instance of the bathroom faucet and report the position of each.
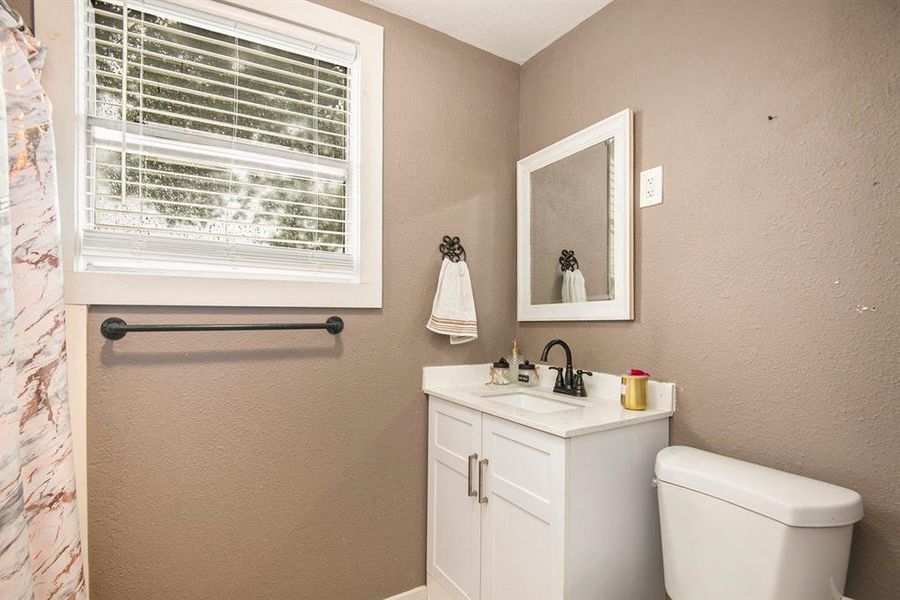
(569, 382)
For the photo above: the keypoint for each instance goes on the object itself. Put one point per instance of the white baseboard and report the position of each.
(436, 590)
(418, 593)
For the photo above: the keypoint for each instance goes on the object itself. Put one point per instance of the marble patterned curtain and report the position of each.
(40, 551)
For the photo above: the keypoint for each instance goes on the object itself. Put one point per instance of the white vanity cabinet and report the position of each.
(516, 513)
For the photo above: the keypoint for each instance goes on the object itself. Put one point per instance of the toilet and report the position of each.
(737, 530)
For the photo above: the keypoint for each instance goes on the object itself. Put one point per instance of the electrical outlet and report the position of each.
(651, 187)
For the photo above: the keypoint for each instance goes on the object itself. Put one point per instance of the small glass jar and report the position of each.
(528, 375)
(500, 373)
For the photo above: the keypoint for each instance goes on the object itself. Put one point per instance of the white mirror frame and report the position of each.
(621, 307)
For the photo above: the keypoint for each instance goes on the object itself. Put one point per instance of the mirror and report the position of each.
(570, 253)
(574, 226)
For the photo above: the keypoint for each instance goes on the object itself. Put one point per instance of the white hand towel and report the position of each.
(567, 286)
(573, 286)
(579, 287)
(453, 310)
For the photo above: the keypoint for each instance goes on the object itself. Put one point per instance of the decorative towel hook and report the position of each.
(452, 249)
(567, 261)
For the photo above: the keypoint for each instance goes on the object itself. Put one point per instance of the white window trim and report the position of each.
(58, 25)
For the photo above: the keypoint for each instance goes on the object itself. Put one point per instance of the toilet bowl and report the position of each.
(737, 530)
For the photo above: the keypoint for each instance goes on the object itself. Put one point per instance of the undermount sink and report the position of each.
(532, 403)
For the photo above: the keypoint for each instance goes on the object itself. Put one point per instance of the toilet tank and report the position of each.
(736, 530)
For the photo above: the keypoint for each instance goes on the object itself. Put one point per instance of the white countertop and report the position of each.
(600, 411)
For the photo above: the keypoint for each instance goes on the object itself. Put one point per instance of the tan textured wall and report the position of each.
(292, 465)
(24, 8)
(752, 277)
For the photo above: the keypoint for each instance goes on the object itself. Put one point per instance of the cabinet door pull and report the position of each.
(482, 467)
(472, 459)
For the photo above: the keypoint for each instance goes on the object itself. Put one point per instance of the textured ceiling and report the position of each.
(512, 29)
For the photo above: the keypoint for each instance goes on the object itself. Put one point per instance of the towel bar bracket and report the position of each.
(113, 328)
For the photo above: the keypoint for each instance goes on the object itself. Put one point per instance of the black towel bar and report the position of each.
(115, 328)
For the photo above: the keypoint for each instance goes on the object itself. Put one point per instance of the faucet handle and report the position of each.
(579, 382)
(560, 382)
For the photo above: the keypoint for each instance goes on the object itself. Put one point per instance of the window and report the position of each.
(219, 145)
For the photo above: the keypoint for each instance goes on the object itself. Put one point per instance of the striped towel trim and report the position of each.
(452, 326)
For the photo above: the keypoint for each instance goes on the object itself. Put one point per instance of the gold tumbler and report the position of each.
(634, 392)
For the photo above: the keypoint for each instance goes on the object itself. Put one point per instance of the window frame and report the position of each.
(64, 82)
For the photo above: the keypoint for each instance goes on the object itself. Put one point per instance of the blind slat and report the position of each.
(97, 10)
(180, 77)
(241, 63)
(215, 180)
(225, 195)
(225, 125)
(113, 242)
(235, 73)
(225, 221)
(201, 234)
(157, 201)
(219, 98)
(233, 115)
(175, 144)
(229, 113)
(118, 250)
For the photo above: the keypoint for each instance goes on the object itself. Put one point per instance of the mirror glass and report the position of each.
(572, 227)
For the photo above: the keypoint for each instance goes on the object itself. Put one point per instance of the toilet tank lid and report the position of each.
(792, 499)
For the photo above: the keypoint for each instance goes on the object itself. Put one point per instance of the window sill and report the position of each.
(162, 290)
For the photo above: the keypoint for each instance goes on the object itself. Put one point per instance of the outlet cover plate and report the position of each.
(651, 187)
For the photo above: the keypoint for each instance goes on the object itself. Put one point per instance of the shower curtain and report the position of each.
(40, 552)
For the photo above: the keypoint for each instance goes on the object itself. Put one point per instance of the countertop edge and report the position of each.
(649, 416)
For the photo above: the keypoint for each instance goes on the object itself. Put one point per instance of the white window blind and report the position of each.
(212, 146)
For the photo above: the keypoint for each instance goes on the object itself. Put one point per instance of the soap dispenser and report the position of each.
(514, 360)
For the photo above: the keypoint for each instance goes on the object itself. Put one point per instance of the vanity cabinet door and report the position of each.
(523, 520)
(454, 514)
